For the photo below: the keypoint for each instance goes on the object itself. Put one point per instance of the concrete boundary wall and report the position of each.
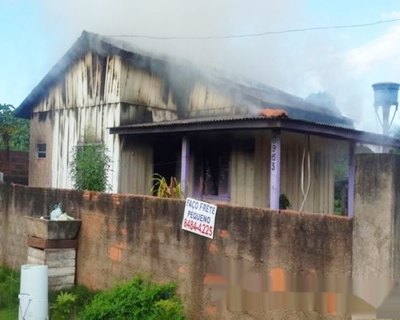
(126, 234)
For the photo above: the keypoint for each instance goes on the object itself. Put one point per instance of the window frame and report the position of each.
(40, 153)
(223, 150)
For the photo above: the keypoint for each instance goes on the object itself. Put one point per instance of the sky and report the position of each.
(34, 34)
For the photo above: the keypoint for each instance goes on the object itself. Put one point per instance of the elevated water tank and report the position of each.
(386, 96)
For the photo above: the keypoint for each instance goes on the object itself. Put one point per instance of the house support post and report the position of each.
(275, 182)
(185, 165)
(351, 181)
(376, 233)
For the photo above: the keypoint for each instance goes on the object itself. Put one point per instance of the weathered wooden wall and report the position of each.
(62, 130)
(143, 90)
(243, 173)
(92, 80)
(136, 169)
(97, 93)
(69, 129)
(85, 102)
(322, 159)
(41, 131)
(208, 99)
(250, 171)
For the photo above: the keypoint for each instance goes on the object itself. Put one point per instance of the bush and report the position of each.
(63, 308)
(137, 299)
(89, 167)
(65, 305)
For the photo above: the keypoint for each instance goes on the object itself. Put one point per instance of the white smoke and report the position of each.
(260, 58)
(299, 63)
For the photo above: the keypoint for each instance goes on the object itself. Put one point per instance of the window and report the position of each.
(212, 170)
(41, 150)
(216, 174)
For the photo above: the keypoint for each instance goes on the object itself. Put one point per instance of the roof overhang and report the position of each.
(225, 124)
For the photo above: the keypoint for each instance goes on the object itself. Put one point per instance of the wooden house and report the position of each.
(159, 115)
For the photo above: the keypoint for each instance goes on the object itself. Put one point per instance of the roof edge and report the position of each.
(256, 123)
(79, 46)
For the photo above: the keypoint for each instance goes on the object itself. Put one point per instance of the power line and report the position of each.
(259, 34)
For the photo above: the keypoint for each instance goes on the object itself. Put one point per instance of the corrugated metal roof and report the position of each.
(217, 119)
(254, 122)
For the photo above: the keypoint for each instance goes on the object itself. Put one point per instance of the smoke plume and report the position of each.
(299, 63)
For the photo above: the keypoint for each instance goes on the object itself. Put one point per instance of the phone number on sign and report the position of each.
(198, 226)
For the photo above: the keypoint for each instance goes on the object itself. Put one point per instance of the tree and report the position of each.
(14, 132)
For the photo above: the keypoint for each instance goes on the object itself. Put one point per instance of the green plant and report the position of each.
(89, 166)
(338, 207)
(162, 189)
(284, 202)
(14, 132)
(9, 288)
(7, 314)
(63, 307)
(137, 299)
(84, 296)
(169, 309)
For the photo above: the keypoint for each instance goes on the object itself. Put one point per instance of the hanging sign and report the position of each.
(199, 217)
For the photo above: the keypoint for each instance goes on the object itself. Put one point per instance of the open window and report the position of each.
(212, 170)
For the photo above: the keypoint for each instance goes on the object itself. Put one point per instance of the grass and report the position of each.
(9, 313)
(9, 289)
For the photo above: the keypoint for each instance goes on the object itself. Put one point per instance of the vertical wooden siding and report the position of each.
(136, 168)
(144, 89)
(250, 172)
(207, 99)
(91, 80)
(85, 99)
(40, 173)
(242, 175)
(70, 126)
(321, 192)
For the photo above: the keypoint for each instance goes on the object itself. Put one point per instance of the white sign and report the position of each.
(199, 217)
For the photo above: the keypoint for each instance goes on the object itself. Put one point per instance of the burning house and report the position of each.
(228, 141)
